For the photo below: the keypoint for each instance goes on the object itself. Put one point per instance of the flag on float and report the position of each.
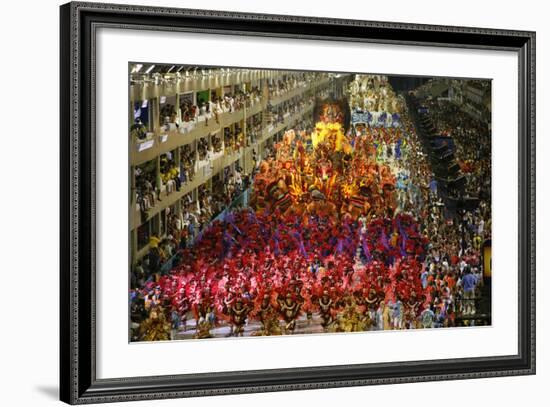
(384, 239)
(395, 119)
(339, 246)
(300, 242)
(227, 244)
(398, 149)
(403, 236)
(276, 247)
(369, 117)
(366, 250)
(230, 218)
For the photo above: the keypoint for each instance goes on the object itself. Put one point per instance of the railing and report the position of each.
(163, 142)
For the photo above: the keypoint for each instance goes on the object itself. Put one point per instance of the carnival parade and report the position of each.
(345, 227)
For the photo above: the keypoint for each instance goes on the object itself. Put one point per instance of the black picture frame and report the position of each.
(78, 382)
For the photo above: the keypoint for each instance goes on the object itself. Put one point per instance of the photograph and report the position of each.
(286, 200)
(267, 202)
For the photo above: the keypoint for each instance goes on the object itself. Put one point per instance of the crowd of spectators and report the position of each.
(147, 193)
(288, 83)
(454, 267)
(138, 130)
(254, 128)
(169, 174)
(188, 158)
(203, 148)
(233, 138)
(168, 115)
(279, 113)
(472, 138)
(207, 109)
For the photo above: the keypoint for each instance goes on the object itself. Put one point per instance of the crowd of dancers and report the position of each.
(345, 229)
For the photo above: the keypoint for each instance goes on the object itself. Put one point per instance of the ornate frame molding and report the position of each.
(77, 247)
